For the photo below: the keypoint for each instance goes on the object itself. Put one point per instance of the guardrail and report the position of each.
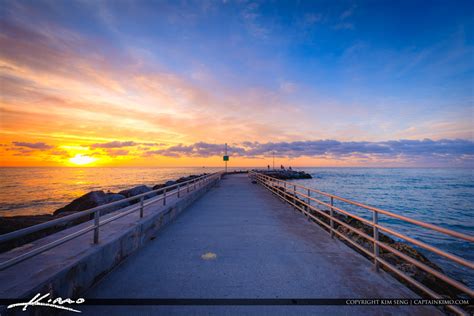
(300, 197)
(166, 192)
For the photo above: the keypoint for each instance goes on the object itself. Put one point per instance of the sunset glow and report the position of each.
(81, 160)
(167, 84)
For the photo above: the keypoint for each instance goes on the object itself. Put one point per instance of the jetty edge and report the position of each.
(285, 174)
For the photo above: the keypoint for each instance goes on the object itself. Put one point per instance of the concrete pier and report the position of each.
(239, 241)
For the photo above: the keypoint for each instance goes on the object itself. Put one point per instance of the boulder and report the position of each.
(169, 183)
(93, 199)
(287, 174)
(158, 186)
(112, 197)
(136, 191)
(184, 179)
(85, 202)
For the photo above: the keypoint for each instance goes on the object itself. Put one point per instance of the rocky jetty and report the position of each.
(87, 201)
(286, 174)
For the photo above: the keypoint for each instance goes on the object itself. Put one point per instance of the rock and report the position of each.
(169, 183)
(286, 174)
(9, 224)
(91, 200)
(85, 202)
(184, 179)
(158, 186)
(112, 197)
(135, 191)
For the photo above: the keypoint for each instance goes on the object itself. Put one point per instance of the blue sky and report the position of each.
(236, 71)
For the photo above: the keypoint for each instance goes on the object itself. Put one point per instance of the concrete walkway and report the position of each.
(239, 241)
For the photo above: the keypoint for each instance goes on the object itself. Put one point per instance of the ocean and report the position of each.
(443, 197)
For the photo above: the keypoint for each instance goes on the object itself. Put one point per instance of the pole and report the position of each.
(331, 217)
(273, 160)
(96, 227)
(375, 220)
(226, 155)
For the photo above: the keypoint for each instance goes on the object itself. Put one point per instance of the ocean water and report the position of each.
(34, 191)
(443, 197)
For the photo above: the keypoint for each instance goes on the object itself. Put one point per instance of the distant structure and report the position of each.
(273, 152)
(226, 157)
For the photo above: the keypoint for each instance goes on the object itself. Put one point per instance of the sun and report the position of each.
(80, 159)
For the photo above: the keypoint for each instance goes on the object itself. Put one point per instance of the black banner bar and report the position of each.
(264, 301)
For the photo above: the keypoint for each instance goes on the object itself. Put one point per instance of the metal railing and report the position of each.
(302, 199)
(166, 192)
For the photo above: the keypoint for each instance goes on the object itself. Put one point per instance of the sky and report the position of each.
(167, 83)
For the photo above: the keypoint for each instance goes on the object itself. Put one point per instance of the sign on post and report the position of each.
(226, 158)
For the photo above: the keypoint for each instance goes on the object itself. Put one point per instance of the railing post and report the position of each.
(294, 197)
(331, 218)
(187, 187)
(178, 190)
(376, 239)
(164, 196)
(308, 209)
(141, 206)
(96, 227)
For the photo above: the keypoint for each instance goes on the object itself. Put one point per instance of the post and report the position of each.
(225, 160)
(96, 227)
(164, 196)
(187, 187)
(309, 203)
(141, 206)
(273, 160)
(331, 218)
(294, 197)
(376, 239)
(178, 190)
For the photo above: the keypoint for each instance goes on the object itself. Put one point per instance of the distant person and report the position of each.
(281, 167)
(289, 168)
(268, 167)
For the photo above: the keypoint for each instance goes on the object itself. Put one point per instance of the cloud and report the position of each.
(114, 144)
(118, 152)
(251, 18)
(343, 23)
(312, 18)
(344, 26)
(288, 87)
(440, 149)
(347, 13)
(38, 146)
